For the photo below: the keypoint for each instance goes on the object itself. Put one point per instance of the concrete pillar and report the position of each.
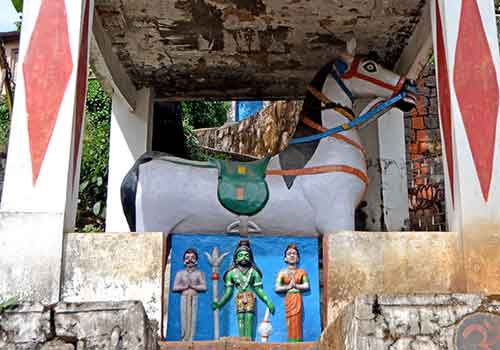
(130, 137)
(394, 182)
(373, 198)
(41, 180)
(466, 49)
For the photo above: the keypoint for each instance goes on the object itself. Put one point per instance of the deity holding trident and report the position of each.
(245, 276)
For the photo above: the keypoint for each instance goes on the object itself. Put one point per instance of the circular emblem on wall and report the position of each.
(478, 331)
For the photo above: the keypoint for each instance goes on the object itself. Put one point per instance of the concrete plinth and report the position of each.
(30, 262)
(389, 263)
(114, 267)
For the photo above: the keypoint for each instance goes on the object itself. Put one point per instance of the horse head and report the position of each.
(365, 78)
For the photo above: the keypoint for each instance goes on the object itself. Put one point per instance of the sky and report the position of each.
(8, 16)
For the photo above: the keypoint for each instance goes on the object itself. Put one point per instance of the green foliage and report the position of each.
(8, 304)
(94, 166)
(200, 114)
(18, 5)
(197, 115)
(4, 121)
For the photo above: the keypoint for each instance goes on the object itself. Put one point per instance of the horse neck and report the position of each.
(329, 117)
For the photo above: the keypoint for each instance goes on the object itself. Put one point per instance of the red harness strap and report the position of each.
(353, 73)
(325, 169)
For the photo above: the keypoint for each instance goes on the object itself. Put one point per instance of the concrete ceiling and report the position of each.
(225, 49)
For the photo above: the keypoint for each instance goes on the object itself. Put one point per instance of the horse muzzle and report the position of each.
(409, 93)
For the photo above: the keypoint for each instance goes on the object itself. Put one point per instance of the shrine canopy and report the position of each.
(247, 49)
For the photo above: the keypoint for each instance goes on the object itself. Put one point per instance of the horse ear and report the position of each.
(351, 47)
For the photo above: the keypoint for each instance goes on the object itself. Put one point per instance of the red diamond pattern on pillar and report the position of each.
(476, 88)
(47, 68)
(444, 98)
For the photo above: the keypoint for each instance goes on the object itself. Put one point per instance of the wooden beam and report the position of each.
(416, 53)
(107, 67)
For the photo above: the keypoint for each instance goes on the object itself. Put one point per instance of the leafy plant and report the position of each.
(4, 121)
(18, 5)
(94, 167)
(8, 304)
(197, 115)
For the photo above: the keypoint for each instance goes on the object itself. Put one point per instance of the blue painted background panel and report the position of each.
(268, 255)
(245, 109)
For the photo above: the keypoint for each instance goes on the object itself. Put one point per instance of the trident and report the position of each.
(215, 260)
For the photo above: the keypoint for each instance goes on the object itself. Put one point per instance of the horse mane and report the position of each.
(297, 156)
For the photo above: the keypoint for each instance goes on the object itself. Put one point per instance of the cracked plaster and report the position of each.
(246, 48)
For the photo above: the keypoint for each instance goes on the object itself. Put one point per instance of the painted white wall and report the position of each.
(130, 137)
(392, 158)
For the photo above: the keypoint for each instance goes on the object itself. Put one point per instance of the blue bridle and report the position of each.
(374, 112)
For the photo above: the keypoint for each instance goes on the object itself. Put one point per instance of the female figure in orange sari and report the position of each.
(292, 281)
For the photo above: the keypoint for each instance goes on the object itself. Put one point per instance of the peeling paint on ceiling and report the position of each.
(247, 48)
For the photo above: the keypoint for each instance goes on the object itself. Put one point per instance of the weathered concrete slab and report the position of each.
(24, 327)
(247, 49)
(390, 263)
(114, 267)
(415, 322)
(67, 326)
(482, 258)
(105, 325)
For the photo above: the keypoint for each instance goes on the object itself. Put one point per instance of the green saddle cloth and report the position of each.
(242, 187)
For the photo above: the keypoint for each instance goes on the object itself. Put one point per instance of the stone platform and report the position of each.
(416, 322)
(71, 326)
(231, 343)
(402, 322)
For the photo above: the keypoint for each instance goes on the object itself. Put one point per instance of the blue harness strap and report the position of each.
(341, 67)
(375, 111)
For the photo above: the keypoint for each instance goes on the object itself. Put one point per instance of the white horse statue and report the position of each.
(314, 187)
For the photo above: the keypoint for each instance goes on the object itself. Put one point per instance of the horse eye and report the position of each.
(370, 67)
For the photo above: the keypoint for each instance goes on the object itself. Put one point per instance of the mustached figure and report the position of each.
(189, 282)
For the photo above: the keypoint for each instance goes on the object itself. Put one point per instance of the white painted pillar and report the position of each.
(392, 158)
(41, 179)
(130, 138)
(373, 198)
(468, 62)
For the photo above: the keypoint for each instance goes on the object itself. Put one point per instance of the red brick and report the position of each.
(429, 212)
(422, 136)
(209, 345)
(425, 170)
(420, 181)
(413, 148)
(418, 123)
(423, 147)
(420, 107)
(175, 345)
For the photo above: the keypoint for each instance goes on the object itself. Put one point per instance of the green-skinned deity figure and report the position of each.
(246, 278)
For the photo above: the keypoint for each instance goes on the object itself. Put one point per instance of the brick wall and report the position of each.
(423, 153)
